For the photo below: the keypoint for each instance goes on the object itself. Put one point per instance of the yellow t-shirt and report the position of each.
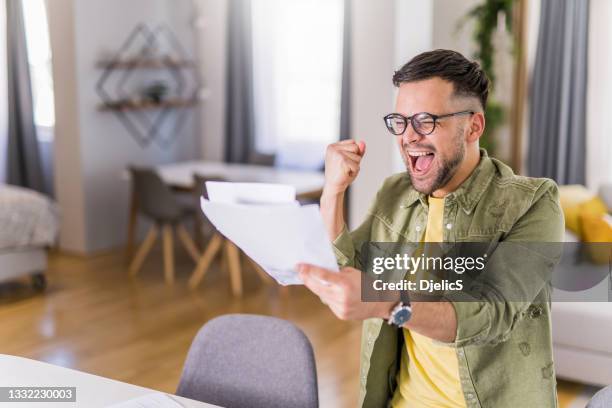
(429, 372)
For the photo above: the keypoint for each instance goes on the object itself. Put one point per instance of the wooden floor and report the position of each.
(93, 318)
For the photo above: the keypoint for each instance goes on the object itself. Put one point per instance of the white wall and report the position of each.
(3, 95)
(92, 147)
(69, 183)
(599, 95)
(211, 45)
(373, 62)
(446, 32)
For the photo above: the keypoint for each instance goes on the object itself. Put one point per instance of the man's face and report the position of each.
(432, 160)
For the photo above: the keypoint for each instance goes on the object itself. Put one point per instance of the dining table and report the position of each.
(180, 177)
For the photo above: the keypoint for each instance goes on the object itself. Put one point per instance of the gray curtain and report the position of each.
(24, 167)
(345, 107)
(240, 115)
(557, 129)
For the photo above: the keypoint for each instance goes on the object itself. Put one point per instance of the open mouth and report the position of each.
(421, 161)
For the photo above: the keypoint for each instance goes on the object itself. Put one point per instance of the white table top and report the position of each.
(91, 390)
(181, 174)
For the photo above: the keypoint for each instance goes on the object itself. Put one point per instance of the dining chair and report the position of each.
(157, 202)
(217, 242)
(241, 360)
(261, 159)
(603, 398)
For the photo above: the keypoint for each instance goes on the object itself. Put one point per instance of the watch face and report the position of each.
(402, 316)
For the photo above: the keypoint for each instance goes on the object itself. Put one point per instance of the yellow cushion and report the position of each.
(572, 218)
(571, 197)
(574, 194)
(594, 206)
(597, 228)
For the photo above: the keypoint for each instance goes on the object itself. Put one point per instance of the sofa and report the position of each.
(29, 224)
(582, 331)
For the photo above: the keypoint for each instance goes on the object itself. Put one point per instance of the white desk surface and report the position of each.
(181, 174)
(91, 390)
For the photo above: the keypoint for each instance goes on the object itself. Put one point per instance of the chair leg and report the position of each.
(168, 253)
(143, 251)
(188, 243)
(205, 260)
(132, 224)
(233, 260)
(198, 225)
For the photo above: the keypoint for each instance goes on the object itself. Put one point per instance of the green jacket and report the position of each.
(504, 348)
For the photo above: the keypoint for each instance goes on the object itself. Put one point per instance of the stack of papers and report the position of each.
(267, 223)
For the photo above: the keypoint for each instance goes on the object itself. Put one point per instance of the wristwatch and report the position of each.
(402, 312)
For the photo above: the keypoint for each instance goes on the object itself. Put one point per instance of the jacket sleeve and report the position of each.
(347, 246)
(517, 271)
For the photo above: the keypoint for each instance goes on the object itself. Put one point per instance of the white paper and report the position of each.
(250, 193)
(277, 237)
(153, 400)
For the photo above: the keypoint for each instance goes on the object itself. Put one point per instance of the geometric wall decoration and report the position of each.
(149, 84)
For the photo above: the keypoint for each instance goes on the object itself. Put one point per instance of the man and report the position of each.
(491, 352)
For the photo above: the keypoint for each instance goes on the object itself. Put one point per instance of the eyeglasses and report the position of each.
(423, 123)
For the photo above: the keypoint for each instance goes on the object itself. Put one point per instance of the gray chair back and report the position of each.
(603, 398)
(261, 159)
(200, 184)
(155, 199)
(250, 361)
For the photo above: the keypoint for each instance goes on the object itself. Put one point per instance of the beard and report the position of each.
(446, 167)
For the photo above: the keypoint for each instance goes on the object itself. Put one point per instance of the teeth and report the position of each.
(417, 154)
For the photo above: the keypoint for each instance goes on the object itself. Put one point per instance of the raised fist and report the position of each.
(342, 161)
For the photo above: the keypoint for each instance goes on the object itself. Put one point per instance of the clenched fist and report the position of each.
(342, 160)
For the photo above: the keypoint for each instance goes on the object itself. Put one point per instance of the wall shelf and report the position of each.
(146, 63)
(149, 85)
(146, 105)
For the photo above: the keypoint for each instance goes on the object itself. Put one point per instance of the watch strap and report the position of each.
(405, 297)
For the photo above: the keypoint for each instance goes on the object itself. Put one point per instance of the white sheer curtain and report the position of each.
(39, 58)
(297, 72)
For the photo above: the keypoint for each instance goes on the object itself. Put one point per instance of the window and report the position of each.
(39, 56)
(297, 73)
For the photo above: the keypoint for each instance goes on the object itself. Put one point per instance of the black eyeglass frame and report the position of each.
(411, 119)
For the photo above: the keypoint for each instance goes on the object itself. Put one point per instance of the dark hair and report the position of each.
(467, 77)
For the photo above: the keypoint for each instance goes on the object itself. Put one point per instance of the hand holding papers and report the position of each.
(267, 223)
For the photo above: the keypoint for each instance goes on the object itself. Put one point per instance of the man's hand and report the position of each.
(342, 292)
(342, 161)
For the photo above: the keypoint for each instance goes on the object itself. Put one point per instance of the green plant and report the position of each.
(495, 115)
(485, 17)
